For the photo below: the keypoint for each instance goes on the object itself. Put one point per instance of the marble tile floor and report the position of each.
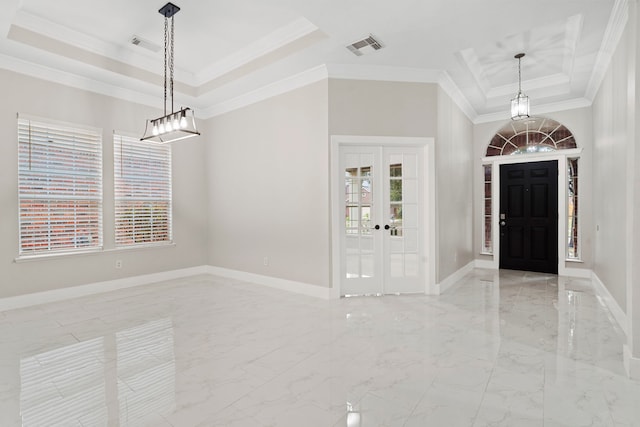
(497, 349)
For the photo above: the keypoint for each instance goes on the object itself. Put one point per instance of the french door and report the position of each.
(382, 231)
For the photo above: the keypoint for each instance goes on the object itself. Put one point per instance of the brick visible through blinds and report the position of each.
(142, 179)
(60, 188)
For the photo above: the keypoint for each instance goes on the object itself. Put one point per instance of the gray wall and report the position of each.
(454, 194)
(268, 187)
(376, 108)
(26, 95)
(379, 108)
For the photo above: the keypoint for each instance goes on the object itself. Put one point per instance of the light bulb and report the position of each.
(183, 121)
(176, 122)
(154, 130)
(167, 125)
(161, 127)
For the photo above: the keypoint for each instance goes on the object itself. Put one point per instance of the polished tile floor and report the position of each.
(497, 349)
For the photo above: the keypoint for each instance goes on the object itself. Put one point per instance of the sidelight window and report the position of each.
(487, 246)
(573, 250)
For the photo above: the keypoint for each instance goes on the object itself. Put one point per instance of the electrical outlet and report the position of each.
(265, 261)
(118, 263)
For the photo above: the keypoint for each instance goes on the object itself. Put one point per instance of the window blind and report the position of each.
(142, 179)
(60, 187)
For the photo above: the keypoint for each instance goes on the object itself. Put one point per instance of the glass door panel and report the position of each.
(361, 245)
(403, 244)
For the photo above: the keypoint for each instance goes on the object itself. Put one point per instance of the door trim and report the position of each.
(429, 202)
(561, 156)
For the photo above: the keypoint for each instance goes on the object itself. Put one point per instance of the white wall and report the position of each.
(616, 114)
(579, 122)
(268, 187)
(454, 194)
(612, 145)
(26, 95)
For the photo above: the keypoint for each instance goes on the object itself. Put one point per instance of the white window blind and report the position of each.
(60, 187)
(142, 178)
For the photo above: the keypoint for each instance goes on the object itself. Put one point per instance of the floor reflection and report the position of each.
(72, 385)
(501, 348)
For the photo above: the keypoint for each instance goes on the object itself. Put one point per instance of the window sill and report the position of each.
(142, 246)
(576, 260)
(60, 255)
(486, 253)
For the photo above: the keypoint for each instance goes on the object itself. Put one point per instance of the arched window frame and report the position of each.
(562, 149)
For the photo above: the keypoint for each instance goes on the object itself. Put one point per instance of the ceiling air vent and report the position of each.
(366, 45)
(139, 41)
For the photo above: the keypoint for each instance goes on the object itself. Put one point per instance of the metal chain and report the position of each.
(171, 64)
(519, 76)
(166, 45)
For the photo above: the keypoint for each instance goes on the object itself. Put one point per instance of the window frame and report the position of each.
(138, 147)
(487, 214)
(83, 185)
(578, 237)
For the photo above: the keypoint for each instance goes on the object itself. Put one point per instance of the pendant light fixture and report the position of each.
(174, 125)
(519, 104)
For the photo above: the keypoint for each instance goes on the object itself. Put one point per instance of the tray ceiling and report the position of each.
(227, 52)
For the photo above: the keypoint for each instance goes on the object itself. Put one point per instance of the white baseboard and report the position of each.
(617, 312)
(483, 263)
(21, 301)
(444, 285)
(583, 273)
(631, 364)
(274, 282)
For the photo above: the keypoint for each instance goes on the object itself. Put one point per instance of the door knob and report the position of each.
(377, 227)
(503, 223)
(386, 227)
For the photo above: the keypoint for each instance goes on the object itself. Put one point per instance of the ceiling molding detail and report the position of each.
(489, 67)
(571, 104)
(451, 89)
(615, 29)
(47, 28)
(246, 52)
(76, 81)
(382, 73)
(274, 89)
(281, 37)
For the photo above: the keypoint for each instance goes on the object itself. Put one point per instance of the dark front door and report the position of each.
(529, 216)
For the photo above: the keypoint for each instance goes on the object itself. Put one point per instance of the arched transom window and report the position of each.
(530, 136)
(534, 135)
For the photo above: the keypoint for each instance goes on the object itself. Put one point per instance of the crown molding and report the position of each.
(382, 73)
(288, 84)
(570, 104)
(54, 75)
(613, 33)
(405, 74)
(450, 88)
(134, 57)
(279, 38)
(554, 80)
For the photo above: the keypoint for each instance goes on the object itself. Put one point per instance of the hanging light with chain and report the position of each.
(519, 104)
(174, 125)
